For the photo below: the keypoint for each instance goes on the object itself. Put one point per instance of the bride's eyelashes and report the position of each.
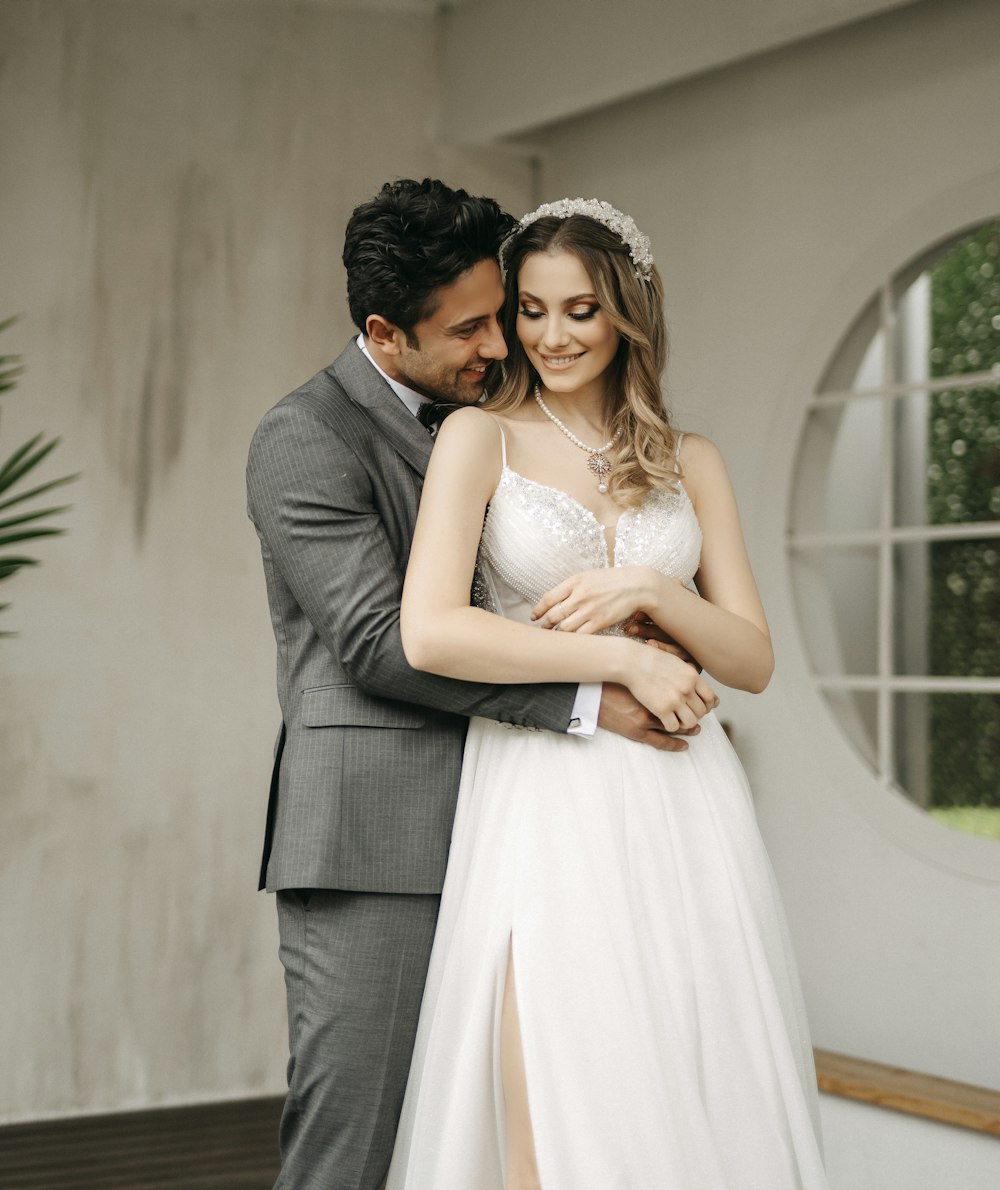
(580, 315)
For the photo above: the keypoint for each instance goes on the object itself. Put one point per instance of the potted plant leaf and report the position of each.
(21, 520)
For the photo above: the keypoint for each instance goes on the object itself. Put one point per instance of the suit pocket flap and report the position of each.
(346, 706)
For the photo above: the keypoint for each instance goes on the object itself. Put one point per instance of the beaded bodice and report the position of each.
(536, 536)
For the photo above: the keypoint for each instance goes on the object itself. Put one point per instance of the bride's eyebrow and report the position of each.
(525, 296)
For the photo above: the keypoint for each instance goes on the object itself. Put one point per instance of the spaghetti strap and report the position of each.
(503, 443)
(677, 447)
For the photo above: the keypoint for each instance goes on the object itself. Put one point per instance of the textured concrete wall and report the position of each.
(778, 195)
(175, 178)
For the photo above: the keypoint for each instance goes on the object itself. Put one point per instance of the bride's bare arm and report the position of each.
(443, 634)
(723, 625)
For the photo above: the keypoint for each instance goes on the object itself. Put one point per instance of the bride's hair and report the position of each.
(646, 456)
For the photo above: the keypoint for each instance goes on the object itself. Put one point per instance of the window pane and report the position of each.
(948, 757)
(948, 443)
(838, 481)
(965, 306)
(910, 438)
(970, 820)
(911, 722)
(836, 590)
(947, 608)
(858, 361)
(963, 456)
(913, 332)
(947, 447)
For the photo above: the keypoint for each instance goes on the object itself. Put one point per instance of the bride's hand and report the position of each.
(671, 689)
(596, 599)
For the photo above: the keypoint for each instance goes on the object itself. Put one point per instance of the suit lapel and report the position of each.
(397, 424)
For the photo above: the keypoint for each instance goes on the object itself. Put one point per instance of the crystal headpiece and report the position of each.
(603, 212)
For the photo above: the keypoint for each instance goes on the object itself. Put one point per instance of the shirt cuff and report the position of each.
(586, 708)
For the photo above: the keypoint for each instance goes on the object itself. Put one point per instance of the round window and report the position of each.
(895, 532)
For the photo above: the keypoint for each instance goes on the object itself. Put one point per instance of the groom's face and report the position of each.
(458, 340)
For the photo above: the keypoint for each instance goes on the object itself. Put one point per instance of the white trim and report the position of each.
(885, 736)
(959, 531)
(915, 683)
(899, 388)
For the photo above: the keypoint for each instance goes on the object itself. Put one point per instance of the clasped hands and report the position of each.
(667, 682)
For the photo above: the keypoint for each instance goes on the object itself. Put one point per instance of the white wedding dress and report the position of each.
(664, 1038)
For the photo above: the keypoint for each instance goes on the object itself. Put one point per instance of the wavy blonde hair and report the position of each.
(646, 456)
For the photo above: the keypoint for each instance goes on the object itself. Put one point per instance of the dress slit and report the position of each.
(518, 1116)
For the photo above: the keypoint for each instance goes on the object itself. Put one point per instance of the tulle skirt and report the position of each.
(664, 1037)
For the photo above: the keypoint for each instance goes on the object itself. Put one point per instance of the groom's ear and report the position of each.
(384, 335)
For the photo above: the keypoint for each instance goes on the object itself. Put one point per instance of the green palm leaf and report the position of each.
(8, 375)
(9, 378)
(25, 525)
(33, 492)
(25, 518)
(10, 565)
(10, 365)
(24, 460)
(28, 535)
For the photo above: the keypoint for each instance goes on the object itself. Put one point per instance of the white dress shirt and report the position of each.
(587, 704)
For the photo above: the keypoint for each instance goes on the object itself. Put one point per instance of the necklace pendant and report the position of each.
(600, 464)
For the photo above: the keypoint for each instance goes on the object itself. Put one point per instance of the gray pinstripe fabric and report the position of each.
(366, 779)
(338, 1132)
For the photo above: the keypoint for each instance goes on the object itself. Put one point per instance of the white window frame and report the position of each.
(885, 682)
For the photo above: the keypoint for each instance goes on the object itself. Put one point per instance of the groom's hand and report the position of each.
(640, 627)
(624, 715)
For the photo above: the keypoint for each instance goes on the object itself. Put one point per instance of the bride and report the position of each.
(612, 1001)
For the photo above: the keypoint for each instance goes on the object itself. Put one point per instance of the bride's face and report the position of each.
(567, 337)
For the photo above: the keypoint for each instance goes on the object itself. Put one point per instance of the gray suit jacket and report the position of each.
(368, 758)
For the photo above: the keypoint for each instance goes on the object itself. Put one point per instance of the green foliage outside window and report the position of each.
(964, 486)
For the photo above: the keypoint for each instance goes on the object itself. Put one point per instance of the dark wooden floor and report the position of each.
(218, 1146)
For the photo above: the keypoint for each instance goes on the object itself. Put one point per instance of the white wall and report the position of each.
(565, 59)
(778, 194)
(176, 177)
(870, 1148)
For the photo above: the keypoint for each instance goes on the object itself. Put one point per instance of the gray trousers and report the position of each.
(355, 965)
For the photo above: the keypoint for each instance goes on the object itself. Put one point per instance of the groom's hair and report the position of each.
(411, 239)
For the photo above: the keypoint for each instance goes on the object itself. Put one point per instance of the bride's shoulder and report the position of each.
(703, 469)
(469, 422)
(470, 432)
(696, 452)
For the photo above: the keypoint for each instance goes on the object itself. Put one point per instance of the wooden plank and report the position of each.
(961, 1104)
(212, 1146)
(233, 1146)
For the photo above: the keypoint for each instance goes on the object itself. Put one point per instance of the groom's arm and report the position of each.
(313, 505)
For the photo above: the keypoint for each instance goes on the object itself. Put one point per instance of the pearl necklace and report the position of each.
(598, 462)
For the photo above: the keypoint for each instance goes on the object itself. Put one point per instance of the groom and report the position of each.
(368, 757)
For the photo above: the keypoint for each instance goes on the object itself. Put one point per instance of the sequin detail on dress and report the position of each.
(536, 535)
